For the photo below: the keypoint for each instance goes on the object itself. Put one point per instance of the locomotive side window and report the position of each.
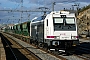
(47, 22)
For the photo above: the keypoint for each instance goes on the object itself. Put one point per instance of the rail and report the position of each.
(10, 48)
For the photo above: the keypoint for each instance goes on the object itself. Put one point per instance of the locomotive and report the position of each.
(56, 31)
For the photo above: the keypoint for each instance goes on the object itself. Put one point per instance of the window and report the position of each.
(58, 20)
(70, 21)
(47, 22)
(64, 24)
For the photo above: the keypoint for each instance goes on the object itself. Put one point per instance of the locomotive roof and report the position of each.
(39, 18)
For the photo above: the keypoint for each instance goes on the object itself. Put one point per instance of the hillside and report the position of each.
(83, 21)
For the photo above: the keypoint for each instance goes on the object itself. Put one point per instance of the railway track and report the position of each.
(84, 56)
(44, 55)
(16, 51)
(83, 50)
(9, 49)
(62, 57)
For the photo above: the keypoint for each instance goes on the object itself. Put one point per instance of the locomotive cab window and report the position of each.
(58, 20)
(64, 24)
(70, 20)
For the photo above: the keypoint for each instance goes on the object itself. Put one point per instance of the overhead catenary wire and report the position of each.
(21, 11)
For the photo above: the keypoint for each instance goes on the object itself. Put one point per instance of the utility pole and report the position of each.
(21, 9)
(53, 6)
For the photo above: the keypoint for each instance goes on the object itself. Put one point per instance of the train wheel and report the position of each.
(45, 45)
(40, 45)
(36, 42)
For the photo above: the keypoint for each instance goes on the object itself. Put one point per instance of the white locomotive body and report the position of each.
(56, 31)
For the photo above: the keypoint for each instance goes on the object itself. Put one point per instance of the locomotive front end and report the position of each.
(61, 31)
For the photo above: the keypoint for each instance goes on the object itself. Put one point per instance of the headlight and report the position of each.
(55, 43)
(57, 37)
(74, 37)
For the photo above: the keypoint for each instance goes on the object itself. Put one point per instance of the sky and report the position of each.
(9, 17)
